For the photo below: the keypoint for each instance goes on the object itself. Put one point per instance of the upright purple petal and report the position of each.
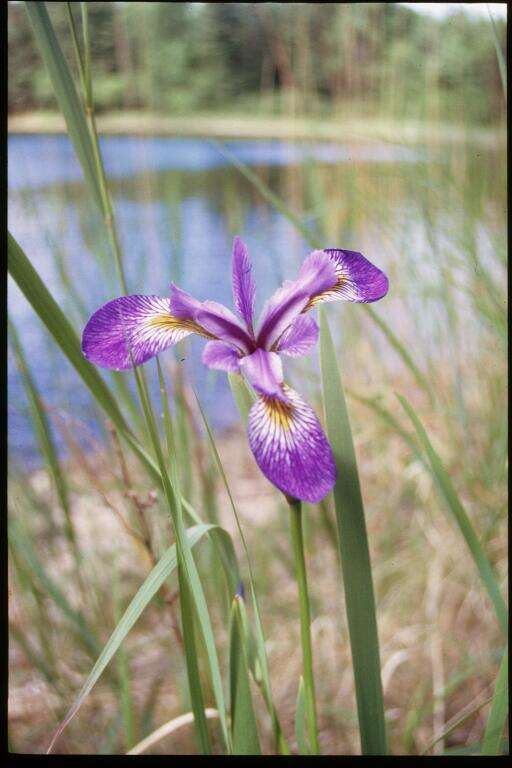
(182, 304)
(299, 337)
(264, 371)
(279, 311)
(357, 279)
(318, 273)
(244, 288)
(290, 446)
(223, 324)
(221, 357)
(137, 327)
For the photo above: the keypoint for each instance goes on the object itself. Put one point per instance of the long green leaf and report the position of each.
(145, 594)
(499, 54)
(123, 671)
(241, 394)
(499, 710)
(354, 554)
(454, 505)
(45, 306)
(400, 349)
(65, 92)
(186, 601)
(194, 679)
(186, 560)
(42, 427)
(243, 721)
(244, 399)
(60, 328)
(300, 720)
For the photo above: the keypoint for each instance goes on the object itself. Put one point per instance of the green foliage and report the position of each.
(243, 720)
(144, 595)
(354, 555)
(499, 710)
(454, 505)
(183, 57)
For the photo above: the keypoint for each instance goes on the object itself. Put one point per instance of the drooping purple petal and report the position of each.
(222, 323)
(264, 371)
(357, 279)
(290, 446)
(279, 311)
(299, 337)
(137, 327)
(244, 288)
(221, 357)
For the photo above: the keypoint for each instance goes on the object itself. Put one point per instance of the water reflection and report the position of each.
(178, 204)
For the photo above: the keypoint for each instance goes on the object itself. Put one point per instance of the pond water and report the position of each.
(428, 216)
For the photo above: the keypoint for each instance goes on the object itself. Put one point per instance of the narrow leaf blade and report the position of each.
(300, 720)
(65, 92)
(243, 721)
(354, 554)
(499, 710)
(145, 594)
(454, 505)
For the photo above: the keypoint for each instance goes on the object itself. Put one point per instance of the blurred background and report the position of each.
(382, 128)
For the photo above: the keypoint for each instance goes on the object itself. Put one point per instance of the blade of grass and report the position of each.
(454, 506)
(354, 555)
(297, 535)
(499, 54)
(47, 447)
(401, 350)
(243, 721)
(166, 729)
(123, 671)
(194, 680)
(241, 394)
(499, 710)
(186, 598)
(187, 562)
(300, 720)
(456, 723)
(66, 94)
(244, 402)
(143, 597)
(106, 203)
(49, 312)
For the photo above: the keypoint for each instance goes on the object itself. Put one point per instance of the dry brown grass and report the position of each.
(439, 637)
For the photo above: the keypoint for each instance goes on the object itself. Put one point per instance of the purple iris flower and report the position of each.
(285, 436)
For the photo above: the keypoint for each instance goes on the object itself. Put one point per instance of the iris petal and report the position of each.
(299, 337)
(244, 289)
(357, 279)
(264, 371)
(182, 304)
(220, 322)
(279, 311)
(133, 327)
(221, 357)
(290, 446)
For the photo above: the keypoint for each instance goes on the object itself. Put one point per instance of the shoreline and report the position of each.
(263, 127)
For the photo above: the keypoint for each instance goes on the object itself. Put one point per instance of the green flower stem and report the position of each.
(305, 620)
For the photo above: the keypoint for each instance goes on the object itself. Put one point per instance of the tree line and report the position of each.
(373, 59)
